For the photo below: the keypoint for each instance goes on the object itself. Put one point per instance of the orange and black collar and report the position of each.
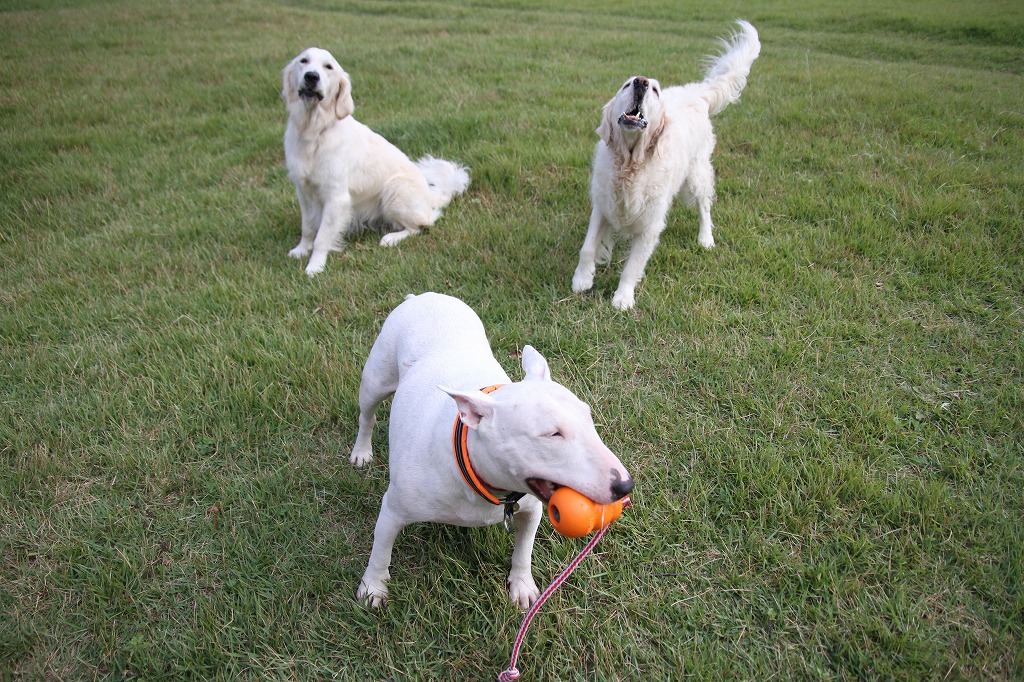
(460, 447)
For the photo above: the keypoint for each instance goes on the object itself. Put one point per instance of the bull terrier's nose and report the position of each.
(622, 488)
(311, 77)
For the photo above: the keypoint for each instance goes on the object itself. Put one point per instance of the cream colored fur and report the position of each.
(655, 144)
(346, 176)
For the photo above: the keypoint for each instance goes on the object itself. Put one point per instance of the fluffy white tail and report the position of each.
(727, 74)
(446, 179)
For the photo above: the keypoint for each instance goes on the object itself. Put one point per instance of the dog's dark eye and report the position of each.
(304, 60)
(555, 434)
(328, 67)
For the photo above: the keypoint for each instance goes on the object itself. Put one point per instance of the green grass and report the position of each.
(823, 415)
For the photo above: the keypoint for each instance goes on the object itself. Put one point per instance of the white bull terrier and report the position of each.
(466, 456)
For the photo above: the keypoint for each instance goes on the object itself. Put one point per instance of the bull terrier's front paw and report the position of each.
(361, 457)
(624, 299)
(582, 281)
(523, 591)
(372, 593)
(301, 250)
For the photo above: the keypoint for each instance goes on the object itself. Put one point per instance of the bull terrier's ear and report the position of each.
(535, 366)
(474, 406)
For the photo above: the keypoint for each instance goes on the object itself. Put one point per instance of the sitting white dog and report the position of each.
(467, 456)
(346, 175)
(653, 145)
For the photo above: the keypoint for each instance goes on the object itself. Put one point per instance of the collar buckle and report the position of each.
(511, 507)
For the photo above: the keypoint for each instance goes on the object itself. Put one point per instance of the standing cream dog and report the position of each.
(464, 456)
(653, 146)
(346, 175)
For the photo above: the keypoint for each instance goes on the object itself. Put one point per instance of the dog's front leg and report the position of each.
(639, 253)
(337, 214)
(597, 235)
(373, 589)
(521, 587)
(312, 211)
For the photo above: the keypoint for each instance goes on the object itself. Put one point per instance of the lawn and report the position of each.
(824, 415)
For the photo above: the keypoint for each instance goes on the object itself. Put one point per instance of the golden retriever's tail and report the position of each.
(727, 73)
(446, 179)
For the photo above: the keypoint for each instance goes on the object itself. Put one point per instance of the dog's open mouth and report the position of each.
(634, 120)
(310, 94)
(542, 489)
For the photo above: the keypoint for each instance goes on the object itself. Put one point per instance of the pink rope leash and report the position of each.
(511, 673)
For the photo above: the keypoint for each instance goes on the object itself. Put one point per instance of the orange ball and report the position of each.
(575, 515)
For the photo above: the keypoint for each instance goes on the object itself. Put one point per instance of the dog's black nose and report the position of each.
(311, 77)
(622, 488)
(640, 83)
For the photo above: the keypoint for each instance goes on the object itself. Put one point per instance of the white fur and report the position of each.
(532, 429)
(345, 174)
(638, 172)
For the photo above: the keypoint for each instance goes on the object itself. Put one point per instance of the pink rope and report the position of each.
(511, 674)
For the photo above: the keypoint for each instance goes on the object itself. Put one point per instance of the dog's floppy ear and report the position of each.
(653, 136)
(606, 131)
(288, 89)
(474, 406)
(535, 366)
(343, 104)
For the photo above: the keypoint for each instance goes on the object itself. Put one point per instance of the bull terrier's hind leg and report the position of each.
(380, 379)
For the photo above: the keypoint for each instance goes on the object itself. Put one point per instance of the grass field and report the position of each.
(824, 415)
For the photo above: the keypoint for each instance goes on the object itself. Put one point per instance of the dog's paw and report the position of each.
(523, 591)
(372, 595)
(361, 458)
(316, 264)
(623, 300)
(301, 251)
(392, 238)
(581, 282)
(706, 240)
